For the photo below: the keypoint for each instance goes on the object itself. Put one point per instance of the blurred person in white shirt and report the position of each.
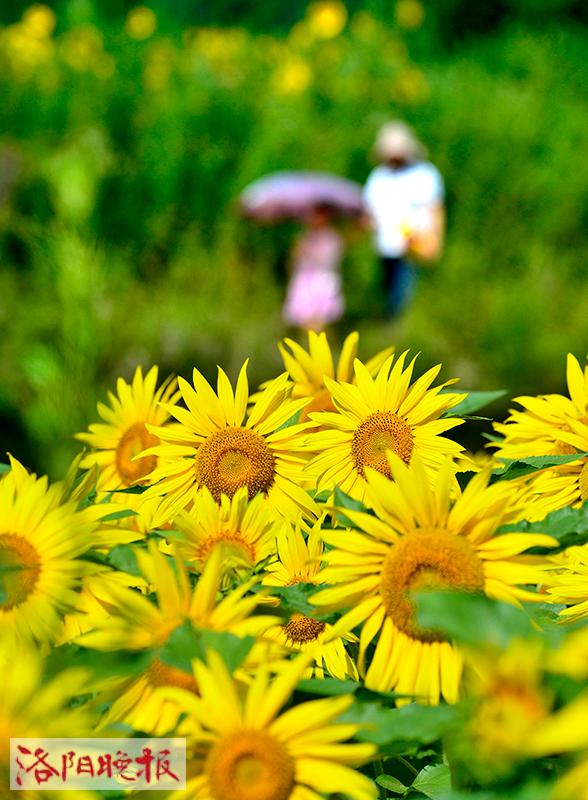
(403, 198)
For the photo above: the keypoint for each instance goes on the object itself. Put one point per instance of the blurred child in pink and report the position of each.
(314, 298)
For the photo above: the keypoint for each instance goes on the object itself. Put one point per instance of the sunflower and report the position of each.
(218, 446)
(541, 427)
(308, 369)
(123, 435)
(377, 415)
(138, 624)
(507, 702)
(94, 602)
(565, 732)
(422, 539)
(568, 582)
(551, 425)
(565, 484)
(40, 540)
(243, 529)
(252, 752)
(33, 707)
(299, 561)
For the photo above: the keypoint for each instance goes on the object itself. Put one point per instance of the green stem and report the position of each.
(378, 768)
(407, 764)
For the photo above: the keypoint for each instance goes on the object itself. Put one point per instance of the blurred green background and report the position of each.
(129, 130)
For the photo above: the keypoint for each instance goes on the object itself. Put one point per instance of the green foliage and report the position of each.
(568, 525)
(122, 557)
(400, 730)
(118, 234)
(475, 401)
(186, 643)
(344, 501)
(297, 598)
(433, 781)
(472, 618)
(522, 467)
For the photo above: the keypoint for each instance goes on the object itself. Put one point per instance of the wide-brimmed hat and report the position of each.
(396, 140)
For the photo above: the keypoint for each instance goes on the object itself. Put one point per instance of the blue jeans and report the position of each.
(399, 281)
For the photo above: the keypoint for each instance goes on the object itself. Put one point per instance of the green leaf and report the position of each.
(233, 649)
(4, 468)
(130, 490)
(105, 665)
(521, 467)
(397, 729)
(391, 783)
(327, 687)
(187, 643)
(474, 401)
(122, 557)
(182, 647)
(296, 598)
(344, 501)
(433, 780)
(568, 525)
(294, 420)
(471, 618)
(527, 791)
(124, 512)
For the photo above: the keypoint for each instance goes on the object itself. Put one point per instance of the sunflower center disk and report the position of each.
(583, 482)
(250, 765)
(160, 674)
(300, 629)
(379, 433)
(19, 570)
(235, 457)
(133, 441)
(426, 560)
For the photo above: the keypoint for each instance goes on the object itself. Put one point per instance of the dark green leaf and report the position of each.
(4, 468)
(344, 501)
(122, 556)
(130, 490)
(296, 598)
(474, 401)
(101, 664)
(521, 467)
(567, 525)
(182, 647)
(187, 643)
(433, 780)
(327, 687)
(233, 649)
(397, 729)
(471, 618)
(529, 791)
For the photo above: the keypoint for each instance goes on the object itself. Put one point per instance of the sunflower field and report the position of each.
(314, 583)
